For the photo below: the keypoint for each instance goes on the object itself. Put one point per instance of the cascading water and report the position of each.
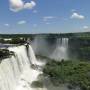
(16, 73)
(61, 50)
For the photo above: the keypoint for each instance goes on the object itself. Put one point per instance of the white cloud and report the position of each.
(21, 22)
(77, 16)
(85, 27)
(6, 25)
(35, 11)
(17, 5)
(48, 18)
(34, 25)
(48, 23)
(29, 5)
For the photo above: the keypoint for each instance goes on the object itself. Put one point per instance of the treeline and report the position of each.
(48, 35)
(16, 35)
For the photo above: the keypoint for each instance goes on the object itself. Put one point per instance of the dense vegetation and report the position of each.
(79, 47)
(37, 84)
(73, 73)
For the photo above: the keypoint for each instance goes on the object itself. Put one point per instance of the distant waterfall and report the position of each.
(16, 73)
(61, 50)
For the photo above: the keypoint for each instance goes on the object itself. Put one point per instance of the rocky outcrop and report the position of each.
(5, 53)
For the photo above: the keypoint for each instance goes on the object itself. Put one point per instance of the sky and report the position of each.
(44, 16)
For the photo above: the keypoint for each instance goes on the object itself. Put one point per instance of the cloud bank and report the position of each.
(17, 5)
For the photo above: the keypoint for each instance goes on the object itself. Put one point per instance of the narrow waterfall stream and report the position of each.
(16, 73)
(61, 50)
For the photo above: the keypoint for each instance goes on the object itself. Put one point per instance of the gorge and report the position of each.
(23, 70)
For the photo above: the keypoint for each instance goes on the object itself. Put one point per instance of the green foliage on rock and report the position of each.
(37, 84)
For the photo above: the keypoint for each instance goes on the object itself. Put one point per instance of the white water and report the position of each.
(61, 50)
(16, 73)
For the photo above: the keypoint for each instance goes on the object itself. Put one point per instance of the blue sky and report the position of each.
(44, 16)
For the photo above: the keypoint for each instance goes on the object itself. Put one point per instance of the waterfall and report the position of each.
(61, 50)
(16, 73)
